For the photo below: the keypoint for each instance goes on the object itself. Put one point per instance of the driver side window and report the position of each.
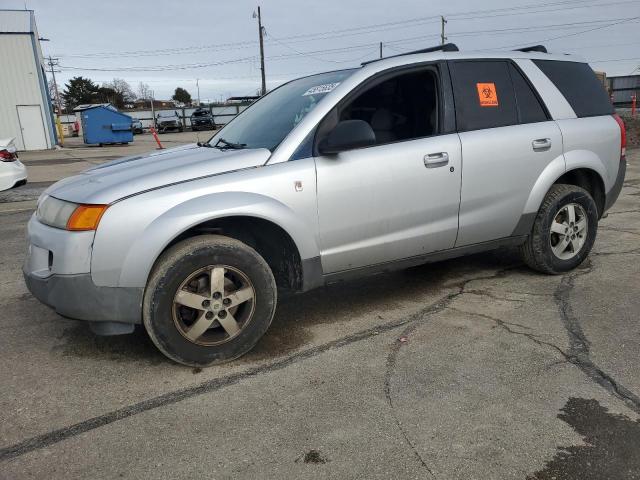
(402, 107)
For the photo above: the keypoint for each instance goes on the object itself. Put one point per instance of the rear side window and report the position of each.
(530, 109)
(579, 85)
(483, 94)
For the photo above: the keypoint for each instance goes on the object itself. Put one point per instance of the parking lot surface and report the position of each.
(474, 368)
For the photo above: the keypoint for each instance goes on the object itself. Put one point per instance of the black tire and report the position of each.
(537, 251)
(174, 267)
(181, 129)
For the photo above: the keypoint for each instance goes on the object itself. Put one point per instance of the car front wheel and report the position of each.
(209, 300)
(563, 232)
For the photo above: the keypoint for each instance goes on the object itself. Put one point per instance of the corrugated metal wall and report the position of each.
(22, 81)
(622, 88)
(15, 21)
(19, 85)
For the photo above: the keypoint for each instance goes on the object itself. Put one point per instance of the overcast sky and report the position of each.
(216, 41)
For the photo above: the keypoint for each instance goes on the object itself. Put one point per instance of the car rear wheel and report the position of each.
(564, 230)
(209, 300)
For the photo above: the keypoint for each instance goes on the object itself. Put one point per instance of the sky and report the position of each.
(167, 44)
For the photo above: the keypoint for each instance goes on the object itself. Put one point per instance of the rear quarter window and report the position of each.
(530, 107)
(579, 85)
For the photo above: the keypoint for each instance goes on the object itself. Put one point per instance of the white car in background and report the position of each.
(12, 170)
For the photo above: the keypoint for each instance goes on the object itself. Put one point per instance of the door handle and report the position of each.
(435, 160)
(541, 144)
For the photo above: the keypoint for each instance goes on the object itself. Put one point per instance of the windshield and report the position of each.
(270, 119)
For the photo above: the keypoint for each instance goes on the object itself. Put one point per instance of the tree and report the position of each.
(182, 96)
(117, 92)
(54, 99)
(144, 92)
(79, 91)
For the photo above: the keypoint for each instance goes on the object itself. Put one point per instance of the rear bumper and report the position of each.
(614, 192)
(12, 173)
(77, 297)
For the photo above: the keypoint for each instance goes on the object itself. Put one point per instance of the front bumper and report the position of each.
(77, 297)
(57, 272)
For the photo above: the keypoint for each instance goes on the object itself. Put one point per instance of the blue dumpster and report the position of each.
(104, 124)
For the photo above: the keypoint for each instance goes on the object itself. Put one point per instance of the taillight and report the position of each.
(7, 156)
(623, 135)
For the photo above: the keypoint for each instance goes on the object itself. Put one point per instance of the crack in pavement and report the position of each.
(579, 345)
(623, 211)
(577, 355)
(413, 323)
(614, 229)
(61, 434)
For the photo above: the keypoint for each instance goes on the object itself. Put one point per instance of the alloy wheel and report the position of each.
(213, 305)
(569, 231)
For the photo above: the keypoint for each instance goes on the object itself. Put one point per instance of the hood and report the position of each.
(127, 176)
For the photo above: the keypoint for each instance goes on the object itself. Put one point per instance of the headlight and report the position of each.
(67, 215)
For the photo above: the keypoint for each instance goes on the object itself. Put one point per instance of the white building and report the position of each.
(25, 106)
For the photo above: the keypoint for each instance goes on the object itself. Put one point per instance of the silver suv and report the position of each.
(406, 160)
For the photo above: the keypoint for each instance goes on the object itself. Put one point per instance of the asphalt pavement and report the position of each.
(474, 368)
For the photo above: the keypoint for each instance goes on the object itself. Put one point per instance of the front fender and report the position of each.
(134, 232)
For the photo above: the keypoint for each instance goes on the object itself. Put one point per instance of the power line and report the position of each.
(311, 54)
(632, 19)
(515, 10)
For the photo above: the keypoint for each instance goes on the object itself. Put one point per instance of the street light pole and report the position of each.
(198, 87)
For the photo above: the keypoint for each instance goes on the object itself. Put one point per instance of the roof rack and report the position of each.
(533, 48)
(445, 47)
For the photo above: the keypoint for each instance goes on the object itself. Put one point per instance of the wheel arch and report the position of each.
(265, 236)
(589, 177)
(240, 215)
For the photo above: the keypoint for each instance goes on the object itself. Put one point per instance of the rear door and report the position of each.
(507, 140)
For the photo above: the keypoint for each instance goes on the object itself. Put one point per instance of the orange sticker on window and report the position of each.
(487, 94)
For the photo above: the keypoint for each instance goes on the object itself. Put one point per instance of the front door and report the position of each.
(398, 198)
(32, 127)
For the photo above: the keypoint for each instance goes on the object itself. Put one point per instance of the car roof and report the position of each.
(411, 57)
(438, 55)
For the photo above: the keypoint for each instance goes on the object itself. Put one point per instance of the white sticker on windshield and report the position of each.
(321, 89)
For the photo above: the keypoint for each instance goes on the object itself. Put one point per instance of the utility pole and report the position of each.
(380, 49)
(261, 34)
(198, 87)
(153, 112)
(53, 62)
(442, 37)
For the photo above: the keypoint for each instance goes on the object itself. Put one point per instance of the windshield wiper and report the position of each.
(229, 145)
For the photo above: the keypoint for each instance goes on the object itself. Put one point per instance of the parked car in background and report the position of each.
(330, 177)
(12, 171)
(202, 119)
(136, 126)
(168, 120)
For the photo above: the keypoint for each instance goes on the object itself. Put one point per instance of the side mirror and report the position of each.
(348, 135)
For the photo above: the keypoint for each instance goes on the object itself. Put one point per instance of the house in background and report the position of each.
(25, 106)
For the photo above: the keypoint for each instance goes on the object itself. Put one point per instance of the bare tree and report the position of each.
(121, 89)
(52, 95)
(144, 92)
